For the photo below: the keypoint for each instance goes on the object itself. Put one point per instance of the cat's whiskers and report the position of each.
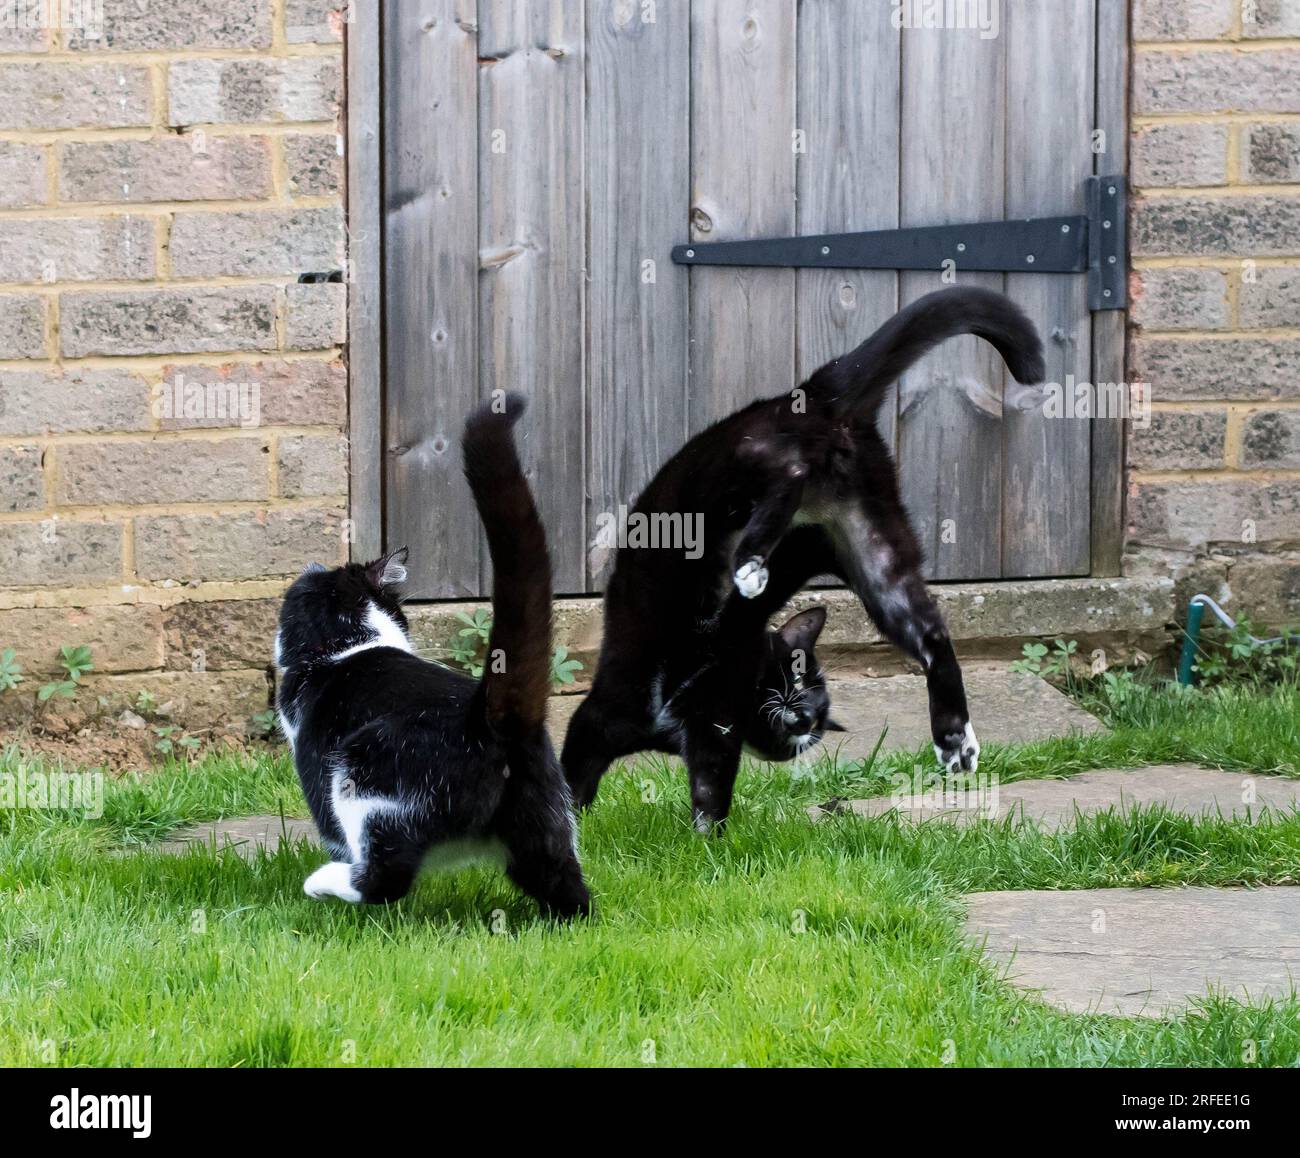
(772, 707)
(785, 685)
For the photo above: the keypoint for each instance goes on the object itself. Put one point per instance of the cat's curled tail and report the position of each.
(857, 382)
(517, 671)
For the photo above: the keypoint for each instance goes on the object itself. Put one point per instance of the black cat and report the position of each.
(400, 758)
(787, 489)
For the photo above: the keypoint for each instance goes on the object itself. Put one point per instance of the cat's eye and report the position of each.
(798, 682)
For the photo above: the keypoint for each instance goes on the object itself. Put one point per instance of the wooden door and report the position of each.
(540, 158)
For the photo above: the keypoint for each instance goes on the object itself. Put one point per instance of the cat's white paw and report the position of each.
(332, 880)
(751, 578)
(961, 750)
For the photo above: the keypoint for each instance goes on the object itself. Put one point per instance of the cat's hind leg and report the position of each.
(387, 848)
(383, 838)
(885, 573)
(535, 821)
(332, 880)
(390, 856)
(393, 847)
(770, 520)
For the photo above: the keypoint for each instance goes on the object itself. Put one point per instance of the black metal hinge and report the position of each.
(1094, 243)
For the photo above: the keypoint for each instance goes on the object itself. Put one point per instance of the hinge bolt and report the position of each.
(961, 247)
(690, 253)
(826, 250)
(1065, 229)
(1030, 259)
(1105, 225)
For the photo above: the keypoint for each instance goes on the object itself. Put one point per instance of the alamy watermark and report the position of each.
(63, 791)
(657, 530)
(1075, 398)
(219, 401)
(77, 1111)
(87, 16)
(982, 16)
(938, 792)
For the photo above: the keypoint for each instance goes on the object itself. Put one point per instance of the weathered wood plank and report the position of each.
(742, 168)
(950, 405)
(431, 269)
(1046, 490)
(639, 187)
(532, 294)
(1109, 326)
(847, 172)
(365, 286)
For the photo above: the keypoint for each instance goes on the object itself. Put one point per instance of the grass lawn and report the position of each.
(782, 943)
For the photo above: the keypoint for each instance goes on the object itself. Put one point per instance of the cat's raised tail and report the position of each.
(858, 381)
(517, 670)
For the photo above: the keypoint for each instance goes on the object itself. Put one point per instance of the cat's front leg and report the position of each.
(602, 730)
(712, 754)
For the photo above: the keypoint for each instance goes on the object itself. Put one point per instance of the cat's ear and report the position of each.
(801, 631)
(833, 726)
(313, 568)
(388, 569)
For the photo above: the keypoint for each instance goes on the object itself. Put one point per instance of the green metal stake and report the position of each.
(1195, 613)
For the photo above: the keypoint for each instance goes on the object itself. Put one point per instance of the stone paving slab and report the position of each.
(1141, 952)
(1006, 708)
(246, 834)
(1053, 804)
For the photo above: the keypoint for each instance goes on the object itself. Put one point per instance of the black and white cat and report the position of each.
(787, 489)
(400, 758)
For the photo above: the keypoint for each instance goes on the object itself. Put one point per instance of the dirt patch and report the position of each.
(117, 750)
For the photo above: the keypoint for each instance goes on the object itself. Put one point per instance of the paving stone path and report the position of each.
(246, 834)
(1051, 804)
(1142, 952)
(1132, 952)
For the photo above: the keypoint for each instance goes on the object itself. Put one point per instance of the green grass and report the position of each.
(781, 943)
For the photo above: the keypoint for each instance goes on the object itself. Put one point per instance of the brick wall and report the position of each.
(1214, 484)
(172, 398)
(168, 176)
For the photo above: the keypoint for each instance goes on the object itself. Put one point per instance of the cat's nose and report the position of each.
(799, 718)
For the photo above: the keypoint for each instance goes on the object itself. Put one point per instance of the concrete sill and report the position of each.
(987, 620)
